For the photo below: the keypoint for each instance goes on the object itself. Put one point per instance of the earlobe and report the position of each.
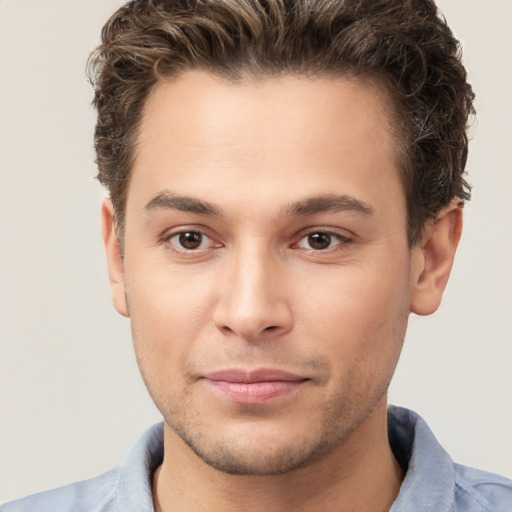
(115, 262)
(432, 259)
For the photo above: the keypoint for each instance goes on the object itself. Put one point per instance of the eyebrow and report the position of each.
(166, 200)
(328, 203)
(310, 206)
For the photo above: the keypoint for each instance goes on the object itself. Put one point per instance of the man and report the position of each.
(286, 186)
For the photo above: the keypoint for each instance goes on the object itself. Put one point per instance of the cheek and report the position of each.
(359, 316)
(167, 313)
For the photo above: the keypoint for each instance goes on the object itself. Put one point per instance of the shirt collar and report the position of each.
(428, 485)
(134, 482)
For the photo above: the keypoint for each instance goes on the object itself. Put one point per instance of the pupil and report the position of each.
(190, 240)
(319, 240)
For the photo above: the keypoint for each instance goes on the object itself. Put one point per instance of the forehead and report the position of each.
(205, 109)
(286, 133)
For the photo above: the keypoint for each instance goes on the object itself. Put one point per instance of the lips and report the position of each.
(255, 386)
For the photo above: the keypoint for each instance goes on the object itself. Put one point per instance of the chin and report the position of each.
(258, 462)
(268, 452)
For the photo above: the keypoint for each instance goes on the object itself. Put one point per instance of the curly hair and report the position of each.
(405, 45)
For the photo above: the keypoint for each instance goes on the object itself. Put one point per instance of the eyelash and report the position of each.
(340, 240)
(168, 240)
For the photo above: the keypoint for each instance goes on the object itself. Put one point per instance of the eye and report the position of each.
(190, 240)
(321, 241)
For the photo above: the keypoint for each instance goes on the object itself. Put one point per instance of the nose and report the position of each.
(253, 299)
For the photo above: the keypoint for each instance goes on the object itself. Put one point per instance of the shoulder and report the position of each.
(433, 482)
(93, 495)
(127, 487)
(482, 490)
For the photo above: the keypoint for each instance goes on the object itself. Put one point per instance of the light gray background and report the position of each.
(70, 395)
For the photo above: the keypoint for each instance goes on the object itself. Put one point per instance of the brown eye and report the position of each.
(190, 239)
(322, 241)
(319, 241)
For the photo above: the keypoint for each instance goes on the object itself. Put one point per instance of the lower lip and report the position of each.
(256, 392)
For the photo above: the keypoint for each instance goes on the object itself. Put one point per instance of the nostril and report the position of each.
(270, 328)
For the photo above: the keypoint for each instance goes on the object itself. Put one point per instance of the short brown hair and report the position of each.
(405, 45)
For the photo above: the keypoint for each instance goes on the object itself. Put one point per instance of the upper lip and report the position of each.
(251, 376)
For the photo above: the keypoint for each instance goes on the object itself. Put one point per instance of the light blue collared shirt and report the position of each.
(433, 482)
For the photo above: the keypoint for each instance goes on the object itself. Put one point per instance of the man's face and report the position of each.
(267, 271)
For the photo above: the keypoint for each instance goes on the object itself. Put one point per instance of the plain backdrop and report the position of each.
(71, 399)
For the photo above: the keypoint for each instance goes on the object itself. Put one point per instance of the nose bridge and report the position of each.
(253, 302)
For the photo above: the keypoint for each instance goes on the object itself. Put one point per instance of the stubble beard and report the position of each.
(339, 418)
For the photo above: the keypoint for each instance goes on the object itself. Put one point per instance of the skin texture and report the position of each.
(296, 260)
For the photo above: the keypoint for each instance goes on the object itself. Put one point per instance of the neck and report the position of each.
(360, 474)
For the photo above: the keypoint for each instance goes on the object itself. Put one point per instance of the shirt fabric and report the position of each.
(433, 482)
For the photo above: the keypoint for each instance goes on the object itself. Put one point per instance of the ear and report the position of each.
(115, 263)
(432, 259)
